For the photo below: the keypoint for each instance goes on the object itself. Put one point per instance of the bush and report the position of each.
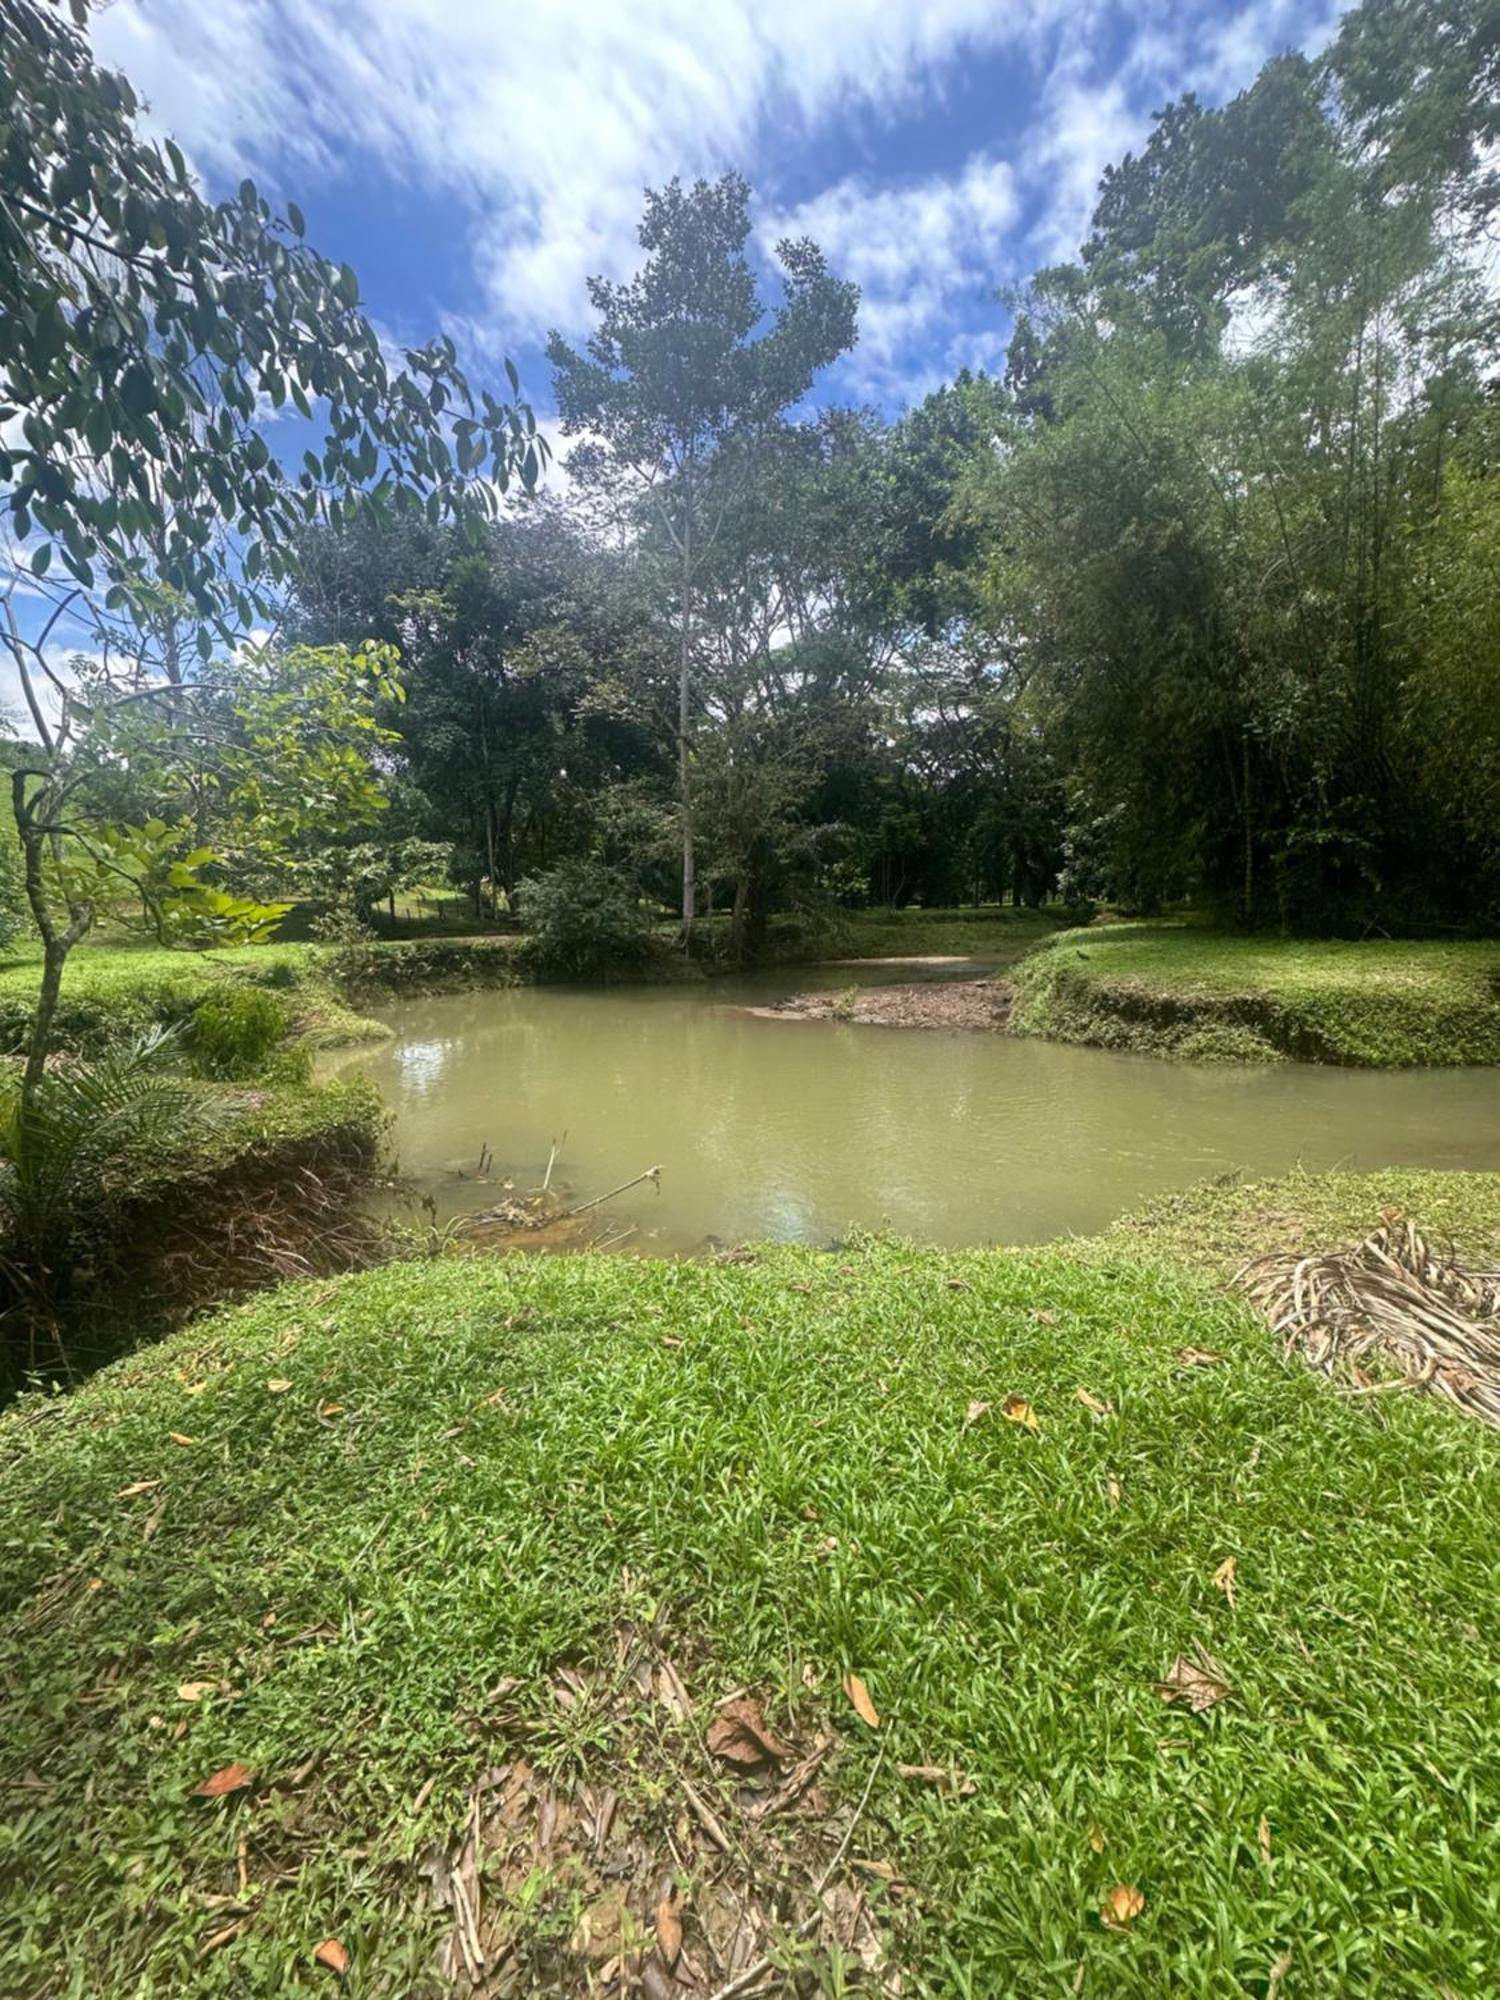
(582, 921)
(236, 1033)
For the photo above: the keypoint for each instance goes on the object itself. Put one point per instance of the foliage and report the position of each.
(70, 1148)
(583, 921)
(236, 1031)
(783, 1493)
(139, 323)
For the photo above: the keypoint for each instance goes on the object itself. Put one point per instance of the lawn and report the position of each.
(374, 1537)
(1176, 989)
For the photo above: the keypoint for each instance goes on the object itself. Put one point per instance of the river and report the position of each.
(790, 1129)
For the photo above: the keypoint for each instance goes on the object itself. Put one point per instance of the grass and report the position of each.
(1172, 989)
(768, 1466)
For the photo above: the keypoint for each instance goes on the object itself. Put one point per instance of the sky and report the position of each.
(476, 160)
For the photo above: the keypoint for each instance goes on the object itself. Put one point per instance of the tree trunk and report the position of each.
(54, 958)
(684, 717)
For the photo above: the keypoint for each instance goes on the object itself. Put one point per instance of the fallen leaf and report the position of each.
(194, 1690)
(1017, 1410)
(1113, 1489)
(1224, 1579)
(974, 1412)
(332, 1954)
(137, 1486)
(883, 1871)
(1098, 1404)
(229, 1933)
(96, 1583)
(937, 1774)
(668, 1930)
(1198, 1357)
(1279, 1969)
(233, 1778)
(278, 1385)
(1263, 1840)
(268, 1621)
(739, 1735)
(1045, 1316)
(1122, 1906)
(178, 1438)
(1200, 1683)
(326, 1410)
(859, 1694)
(959, 1285)
(1096, 1839)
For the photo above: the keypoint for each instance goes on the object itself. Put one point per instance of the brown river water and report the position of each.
(798, 1130)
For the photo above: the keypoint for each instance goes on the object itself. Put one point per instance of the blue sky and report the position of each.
(476, 159)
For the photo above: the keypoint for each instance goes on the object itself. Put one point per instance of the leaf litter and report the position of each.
(713, 1859)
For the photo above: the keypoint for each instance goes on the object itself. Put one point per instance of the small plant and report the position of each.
(236, 1033)
(845, 1003)
(582, 921)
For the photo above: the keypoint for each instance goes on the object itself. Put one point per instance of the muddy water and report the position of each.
(798, 1129)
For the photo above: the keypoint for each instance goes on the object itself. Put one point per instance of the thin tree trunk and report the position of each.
(684, 718)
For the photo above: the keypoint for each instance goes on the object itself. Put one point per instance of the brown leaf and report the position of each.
(1113, 1489)
(1122, 1906)
(327, 1410)
(1224, 1579)
(1044, 1316)
(1017, 1410)
(233, 1778)
(229, 1933)
(739, 1735)
(959, 1285)
(178, 1438)
(137, 1486)
(278, 1385)
(883, 1871)
(1198, 1357)
(332, 1954)
(194, 1690)
(668, 1930)
(1096, 1839)
(938, 1774)
(1100, 1405)
(1200, 1683)
(975, 1411)
(859, 1694)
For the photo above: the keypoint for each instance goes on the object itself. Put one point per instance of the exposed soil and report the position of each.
(946, 1003)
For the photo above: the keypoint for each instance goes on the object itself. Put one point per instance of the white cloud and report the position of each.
(919, 252)
(546, 117)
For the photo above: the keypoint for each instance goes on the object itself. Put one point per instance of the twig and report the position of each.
(552, 1162)
(712, 1826)
(651, 1174)
(766, 1961)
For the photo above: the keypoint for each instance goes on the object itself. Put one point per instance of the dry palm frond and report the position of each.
(1395, 1299)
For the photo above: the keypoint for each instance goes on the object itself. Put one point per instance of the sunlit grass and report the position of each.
(1184, 990)
(770, 1463)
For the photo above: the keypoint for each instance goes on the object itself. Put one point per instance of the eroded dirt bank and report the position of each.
(948, 1003)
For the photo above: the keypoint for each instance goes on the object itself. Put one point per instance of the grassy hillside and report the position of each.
(373, 1537)
(1173, 989)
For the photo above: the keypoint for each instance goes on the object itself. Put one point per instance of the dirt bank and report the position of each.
(948, 1003)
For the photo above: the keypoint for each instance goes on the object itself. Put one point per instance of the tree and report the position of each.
(139, 326)
(675, 376)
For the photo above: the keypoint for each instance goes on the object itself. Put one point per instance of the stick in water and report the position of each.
(651, 1174)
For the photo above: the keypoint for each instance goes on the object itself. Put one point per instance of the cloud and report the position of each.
(922, 253)
(544, 118)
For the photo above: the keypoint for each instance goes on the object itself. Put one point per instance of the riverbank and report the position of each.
(484, 1542)
(944, 1004)
(1179, 990)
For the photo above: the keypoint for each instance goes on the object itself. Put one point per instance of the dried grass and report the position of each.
(1395, 1300)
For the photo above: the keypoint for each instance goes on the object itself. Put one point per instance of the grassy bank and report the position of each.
(374, 1537)
(991, 931)
(1177, 990)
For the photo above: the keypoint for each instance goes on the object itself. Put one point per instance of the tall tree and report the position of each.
(676, 375)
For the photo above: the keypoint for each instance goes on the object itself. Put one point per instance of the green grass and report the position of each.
(672, 1446)
(1173, 989)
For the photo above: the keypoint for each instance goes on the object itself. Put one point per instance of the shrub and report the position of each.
(236, 1033)
(582, 921)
